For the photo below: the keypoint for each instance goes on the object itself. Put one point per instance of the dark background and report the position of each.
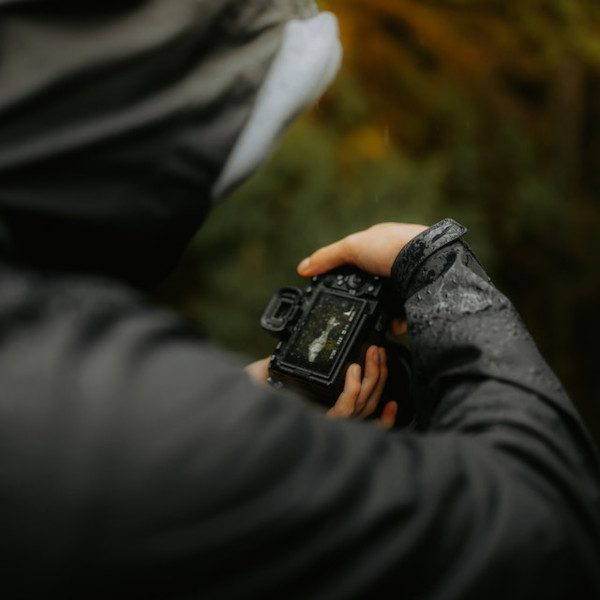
(486, 111)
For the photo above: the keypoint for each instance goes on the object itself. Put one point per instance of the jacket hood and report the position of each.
(121, 122)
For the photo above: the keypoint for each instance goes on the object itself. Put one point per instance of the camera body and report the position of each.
(326, 327)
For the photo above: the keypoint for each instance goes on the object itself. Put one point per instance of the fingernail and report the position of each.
(303, 266)
(356, 371)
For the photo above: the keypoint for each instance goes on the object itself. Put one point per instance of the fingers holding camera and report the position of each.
(373, 250)
(361, 396)
(345, 406)
(259, 371)
(388, 416)
(399, 327)
(326, 258)
(375, 390)
(357, 392)
(374, 369)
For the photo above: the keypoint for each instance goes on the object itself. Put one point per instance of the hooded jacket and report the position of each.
(136, 459)
(122, 122)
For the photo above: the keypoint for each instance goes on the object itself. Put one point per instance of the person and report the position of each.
(137, 459)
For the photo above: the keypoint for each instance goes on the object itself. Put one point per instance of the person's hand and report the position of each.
(361, 395)
(373, 250)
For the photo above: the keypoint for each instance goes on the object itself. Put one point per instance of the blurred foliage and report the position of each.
(484, 110)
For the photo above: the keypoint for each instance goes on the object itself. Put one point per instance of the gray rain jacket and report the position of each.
(137, 460)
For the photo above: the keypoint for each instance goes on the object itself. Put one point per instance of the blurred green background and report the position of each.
(484, 110)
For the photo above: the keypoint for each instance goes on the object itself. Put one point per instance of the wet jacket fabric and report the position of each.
(137, 460)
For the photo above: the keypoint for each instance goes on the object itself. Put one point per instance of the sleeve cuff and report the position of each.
(419, 249)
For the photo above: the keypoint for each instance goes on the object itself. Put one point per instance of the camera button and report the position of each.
(355, 281)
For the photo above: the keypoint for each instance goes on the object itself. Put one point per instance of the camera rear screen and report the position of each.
(321, 337)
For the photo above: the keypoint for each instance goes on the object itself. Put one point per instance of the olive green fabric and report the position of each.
(116, 119)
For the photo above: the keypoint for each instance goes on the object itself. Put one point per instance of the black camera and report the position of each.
(329, 325)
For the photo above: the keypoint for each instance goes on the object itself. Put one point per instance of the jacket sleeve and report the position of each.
(185, 480)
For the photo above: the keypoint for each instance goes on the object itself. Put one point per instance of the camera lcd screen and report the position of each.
(322, 335)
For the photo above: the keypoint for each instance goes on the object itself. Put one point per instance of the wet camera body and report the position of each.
(325, 328)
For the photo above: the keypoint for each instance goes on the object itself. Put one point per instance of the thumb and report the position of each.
(325, 259)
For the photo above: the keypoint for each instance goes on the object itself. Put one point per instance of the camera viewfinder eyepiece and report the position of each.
(281, 312)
